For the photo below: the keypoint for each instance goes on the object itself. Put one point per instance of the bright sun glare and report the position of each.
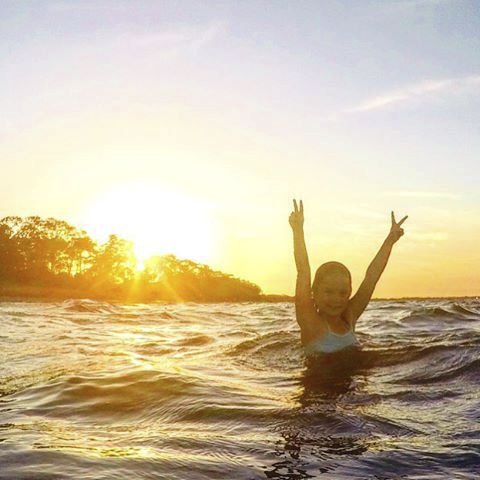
(159, 221)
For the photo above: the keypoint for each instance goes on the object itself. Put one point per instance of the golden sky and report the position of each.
(189, 129)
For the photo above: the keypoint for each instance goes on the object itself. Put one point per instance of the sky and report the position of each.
(189, 127)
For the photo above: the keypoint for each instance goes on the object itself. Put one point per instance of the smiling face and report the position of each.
(332, 288)
(332, 294)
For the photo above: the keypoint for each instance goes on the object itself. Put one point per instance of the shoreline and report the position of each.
(32, 293)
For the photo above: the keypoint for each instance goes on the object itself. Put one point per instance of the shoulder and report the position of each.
(312, 325)
(305, 310)
(350, 316)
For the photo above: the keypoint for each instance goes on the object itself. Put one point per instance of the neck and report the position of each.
(334, 319)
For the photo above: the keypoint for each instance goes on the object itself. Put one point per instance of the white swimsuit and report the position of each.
(331, 342)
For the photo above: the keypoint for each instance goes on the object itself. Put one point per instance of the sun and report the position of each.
(157, 219)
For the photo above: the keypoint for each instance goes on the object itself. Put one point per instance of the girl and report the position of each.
(325, 312)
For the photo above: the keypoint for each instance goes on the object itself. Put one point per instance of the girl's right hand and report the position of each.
(396, 231)
(296, 217)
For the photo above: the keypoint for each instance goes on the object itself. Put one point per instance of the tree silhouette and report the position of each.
(50, 252)
(115, 261)
(38, 249)
(185, 279)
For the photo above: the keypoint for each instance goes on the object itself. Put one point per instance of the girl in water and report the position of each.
(325, 312)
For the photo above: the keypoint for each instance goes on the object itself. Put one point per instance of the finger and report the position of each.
(393, 218)
(402, 220)
(301, 207)
(295, 206)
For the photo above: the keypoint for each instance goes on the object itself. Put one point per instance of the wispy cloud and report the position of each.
(449, 196)
(428, 236)
(421, 3)
(396, 7)
(420, 90)
(85, 6)
(175, 40)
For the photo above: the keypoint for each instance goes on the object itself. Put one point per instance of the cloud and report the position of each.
(87, 7)
(428, 236)
(420, 90)
(412, 6)
(449, 196)
(421, 3)
(172, 41)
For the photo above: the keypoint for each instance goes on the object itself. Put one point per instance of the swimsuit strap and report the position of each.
(350, 330)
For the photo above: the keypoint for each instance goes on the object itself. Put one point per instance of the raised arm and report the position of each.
(360, 300)
(304, 307)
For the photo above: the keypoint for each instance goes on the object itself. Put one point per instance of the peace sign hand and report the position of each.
(396, 231)
(296, 217)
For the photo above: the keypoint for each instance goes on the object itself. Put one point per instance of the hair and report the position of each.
(327, 269)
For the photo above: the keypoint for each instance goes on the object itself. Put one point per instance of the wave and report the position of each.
(195, 341)
(186, 388)
(465, 311)
(89, 306)
(269, 352)
(460, 368)
(452, 312)
(406, 354)
(132, 393)
(264, 342)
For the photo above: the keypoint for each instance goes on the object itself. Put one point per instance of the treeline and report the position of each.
(52, 254)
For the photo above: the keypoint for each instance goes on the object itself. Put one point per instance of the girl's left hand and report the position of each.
(396, 231)
(296, 217)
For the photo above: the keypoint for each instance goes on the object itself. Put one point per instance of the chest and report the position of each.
(321, 327)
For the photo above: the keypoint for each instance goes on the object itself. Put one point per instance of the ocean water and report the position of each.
(91, 390)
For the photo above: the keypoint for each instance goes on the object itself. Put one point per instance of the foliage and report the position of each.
(183, 279)
(50, 252)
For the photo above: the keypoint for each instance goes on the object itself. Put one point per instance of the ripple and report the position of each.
(97, 390)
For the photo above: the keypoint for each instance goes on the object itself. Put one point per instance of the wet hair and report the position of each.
(327, 269)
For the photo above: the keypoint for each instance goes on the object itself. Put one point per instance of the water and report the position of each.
(90, 390)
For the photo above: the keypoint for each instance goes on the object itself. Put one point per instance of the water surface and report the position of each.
(91, 390)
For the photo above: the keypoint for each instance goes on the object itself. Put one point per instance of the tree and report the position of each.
(186, 280)
(53, 252)
(114, 262)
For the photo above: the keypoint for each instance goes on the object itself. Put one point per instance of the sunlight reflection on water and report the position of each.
(92, 390)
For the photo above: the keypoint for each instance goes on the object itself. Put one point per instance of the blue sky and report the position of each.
(357, 107)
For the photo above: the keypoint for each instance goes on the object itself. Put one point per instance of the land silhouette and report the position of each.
(49, 258)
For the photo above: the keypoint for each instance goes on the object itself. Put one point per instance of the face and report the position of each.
(332, 294)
